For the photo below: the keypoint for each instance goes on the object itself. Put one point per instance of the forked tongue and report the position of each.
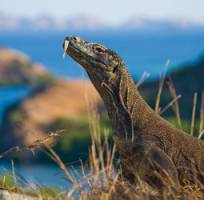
(66, 45)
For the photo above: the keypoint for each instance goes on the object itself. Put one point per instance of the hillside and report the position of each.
(187, 80)
(63, 106)
(17, 69)
(46, 22)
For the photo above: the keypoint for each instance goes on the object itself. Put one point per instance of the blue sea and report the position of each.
(36, 175)
(10, 95)
(141, 52)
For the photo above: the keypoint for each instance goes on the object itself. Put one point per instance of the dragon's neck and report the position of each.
(128, 112)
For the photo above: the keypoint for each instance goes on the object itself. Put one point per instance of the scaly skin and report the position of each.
(149, 146)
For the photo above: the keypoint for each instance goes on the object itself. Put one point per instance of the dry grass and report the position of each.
(104, 180)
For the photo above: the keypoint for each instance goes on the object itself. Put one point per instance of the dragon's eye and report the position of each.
(99, 49)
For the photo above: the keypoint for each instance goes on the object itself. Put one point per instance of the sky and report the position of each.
(112, 11)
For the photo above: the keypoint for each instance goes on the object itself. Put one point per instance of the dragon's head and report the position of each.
(100, 62)
(107, 72)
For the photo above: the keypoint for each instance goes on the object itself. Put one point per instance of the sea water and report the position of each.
(141, 52)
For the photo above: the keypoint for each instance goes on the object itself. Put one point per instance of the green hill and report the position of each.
(187, 80)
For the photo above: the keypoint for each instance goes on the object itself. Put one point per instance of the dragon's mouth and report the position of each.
(69, 47)
(72, 49)
(65, 45)
(81, 51)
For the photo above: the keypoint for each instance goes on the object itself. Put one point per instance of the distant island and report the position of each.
(86, 22)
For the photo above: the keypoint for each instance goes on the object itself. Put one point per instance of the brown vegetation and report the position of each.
(68, 99)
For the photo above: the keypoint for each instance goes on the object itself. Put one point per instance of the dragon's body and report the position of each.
(149, 146)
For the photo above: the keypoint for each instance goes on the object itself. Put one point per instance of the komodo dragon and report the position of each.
(149, 146)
